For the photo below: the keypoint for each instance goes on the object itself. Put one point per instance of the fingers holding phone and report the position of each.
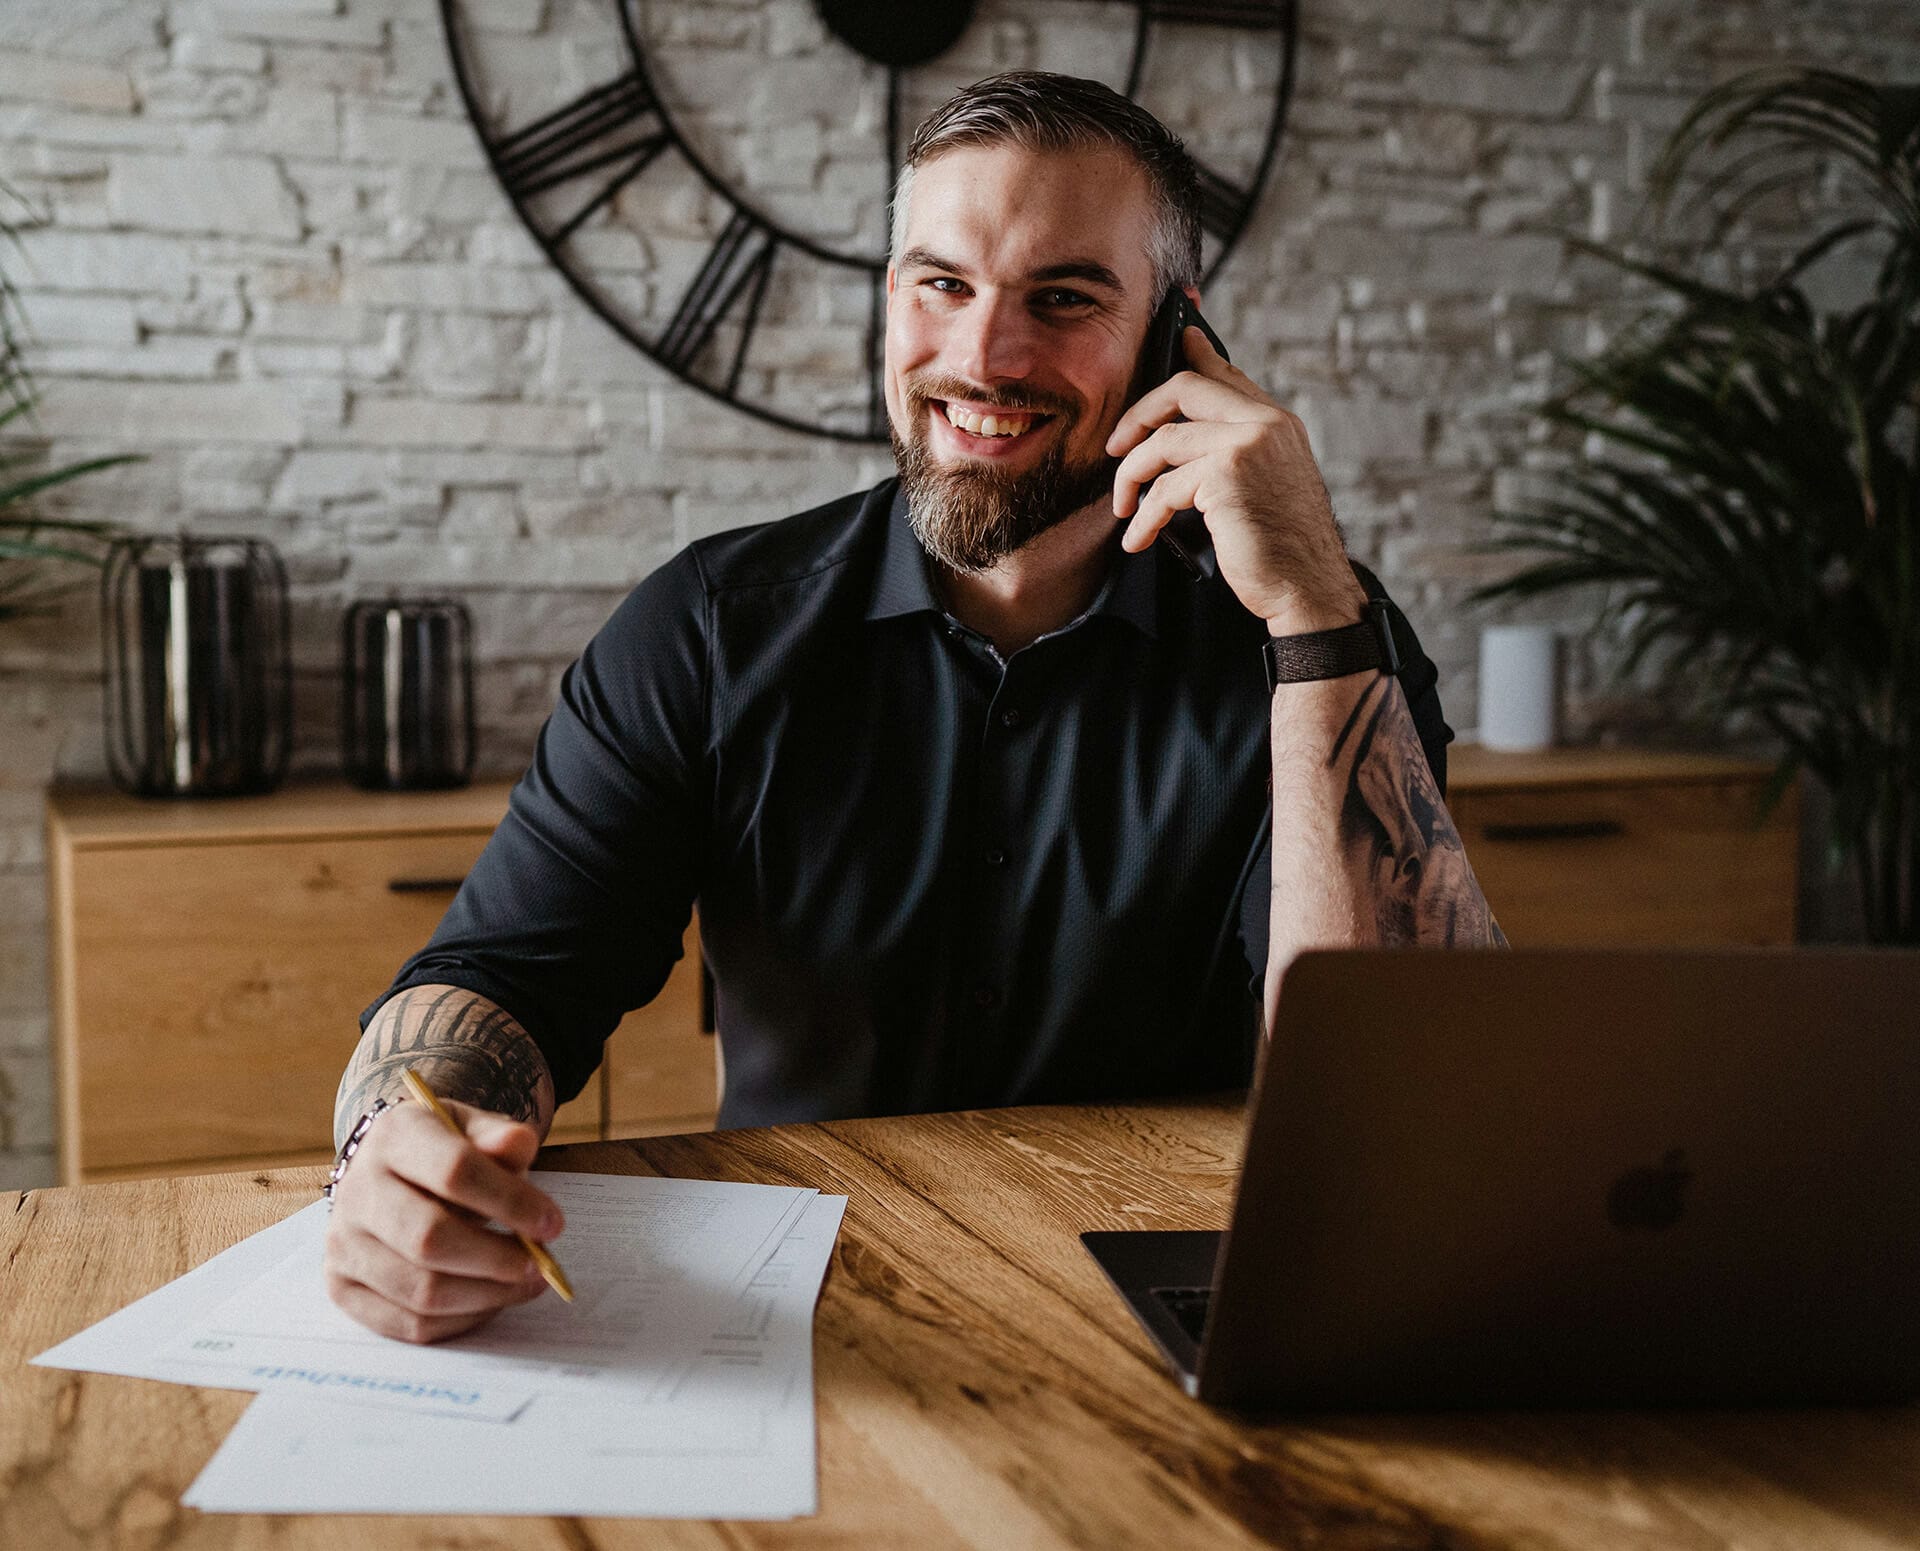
(1208, 439)
(409, 1252)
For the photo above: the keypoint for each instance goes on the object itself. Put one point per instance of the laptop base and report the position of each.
(1157, 1272)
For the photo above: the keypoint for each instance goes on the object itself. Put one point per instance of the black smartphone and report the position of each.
(1164, 355)
(1161, 357)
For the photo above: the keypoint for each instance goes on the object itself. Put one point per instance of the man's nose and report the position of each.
(994, 341)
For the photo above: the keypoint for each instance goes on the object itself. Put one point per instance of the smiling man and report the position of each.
(1011, 345)
(984, 796)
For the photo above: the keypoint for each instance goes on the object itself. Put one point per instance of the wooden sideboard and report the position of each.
(1625, 847)
(211, 960)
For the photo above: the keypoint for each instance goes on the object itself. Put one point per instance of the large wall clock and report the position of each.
(682, 181)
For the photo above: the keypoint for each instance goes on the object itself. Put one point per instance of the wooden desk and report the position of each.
(978, 1384)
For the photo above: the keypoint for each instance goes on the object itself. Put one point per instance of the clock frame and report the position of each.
(562, 168)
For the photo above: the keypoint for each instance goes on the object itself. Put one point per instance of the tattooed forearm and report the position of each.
(465, 1046)
(1395, 827)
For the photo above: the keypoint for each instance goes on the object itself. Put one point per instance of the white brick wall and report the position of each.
(276, 263)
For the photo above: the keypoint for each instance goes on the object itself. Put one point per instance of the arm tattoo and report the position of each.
(464, 1045)
(1394, 827)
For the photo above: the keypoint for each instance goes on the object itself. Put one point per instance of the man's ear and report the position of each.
(1193, 295)
(892, 275)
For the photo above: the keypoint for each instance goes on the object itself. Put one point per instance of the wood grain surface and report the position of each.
(1630, 863)
(211, 961)
(1473, 767)
(978, 1384)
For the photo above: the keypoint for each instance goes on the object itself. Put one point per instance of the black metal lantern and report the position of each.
(199, 689)
(407, 694)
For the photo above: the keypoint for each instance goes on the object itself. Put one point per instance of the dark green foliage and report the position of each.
(31, 543)
(1751, 492)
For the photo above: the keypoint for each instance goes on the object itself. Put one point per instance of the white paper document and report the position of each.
(133, 1342)
(650, 1261)
(732, 1438)
(125, 1342)
(685, 1391)
(591, 1459)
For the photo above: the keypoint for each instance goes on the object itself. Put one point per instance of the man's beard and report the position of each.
(969, 515)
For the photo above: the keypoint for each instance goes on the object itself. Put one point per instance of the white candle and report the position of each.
(1519, 687)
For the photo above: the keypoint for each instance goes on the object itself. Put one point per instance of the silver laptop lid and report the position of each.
(1561, 1177)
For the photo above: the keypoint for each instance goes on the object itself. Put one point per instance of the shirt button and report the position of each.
(986, 997)
(996, 857)
(1010, 718)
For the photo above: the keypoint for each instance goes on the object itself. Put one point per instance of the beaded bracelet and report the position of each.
(352, 1145)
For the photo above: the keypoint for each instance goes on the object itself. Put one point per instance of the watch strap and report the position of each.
(1365, 645)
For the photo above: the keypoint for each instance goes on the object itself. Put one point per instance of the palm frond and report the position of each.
(30, 540)
(20, 491)
(1747, 500)
(16, 385)
(1804, 112)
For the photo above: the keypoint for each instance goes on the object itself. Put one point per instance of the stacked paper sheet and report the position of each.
(678, 1384)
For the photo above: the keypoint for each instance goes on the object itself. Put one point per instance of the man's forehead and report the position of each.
(1058, 215)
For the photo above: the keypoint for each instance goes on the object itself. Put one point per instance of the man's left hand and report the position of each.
(1208, 438)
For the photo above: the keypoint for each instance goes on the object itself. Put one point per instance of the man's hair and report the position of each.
(1040, 111)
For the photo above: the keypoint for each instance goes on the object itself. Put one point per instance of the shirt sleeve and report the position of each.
(576, 910)
(1419, 681)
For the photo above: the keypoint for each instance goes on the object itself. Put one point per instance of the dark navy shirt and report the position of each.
(928, 877)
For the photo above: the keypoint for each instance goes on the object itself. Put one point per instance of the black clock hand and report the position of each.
(893, 34)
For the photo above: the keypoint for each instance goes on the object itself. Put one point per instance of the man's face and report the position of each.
(1016, 310)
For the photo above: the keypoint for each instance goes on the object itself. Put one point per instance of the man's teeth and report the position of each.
(988, 425)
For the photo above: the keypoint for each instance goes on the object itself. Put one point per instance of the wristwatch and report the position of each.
(1333, 654)
(352, 1144)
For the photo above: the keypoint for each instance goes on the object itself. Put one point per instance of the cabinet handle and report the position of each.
(424, 885)
(1566, 829)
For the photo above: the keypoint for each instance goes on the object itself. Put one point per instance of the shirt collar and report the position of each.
(903, 583)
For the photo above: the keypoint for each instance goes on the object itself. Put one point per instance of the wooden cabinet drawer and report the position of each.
(1679, 862)
(220, 988)
(211, 961)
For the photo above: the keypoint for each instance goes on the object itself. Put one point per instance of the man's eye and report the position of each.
(947, 285)
(1058, 297)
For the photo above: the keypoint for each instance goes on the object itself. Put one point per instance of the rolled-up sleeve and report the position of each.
(575, 912)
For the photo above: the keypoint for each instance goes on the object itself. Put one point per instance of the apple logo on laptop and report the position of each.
(1650, 1197)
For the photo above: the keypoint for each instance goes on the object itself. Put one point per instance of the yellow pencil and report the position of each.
(549, 1267)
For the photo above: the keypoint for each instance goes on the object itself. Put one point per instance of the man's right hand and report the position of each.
(409, 1250)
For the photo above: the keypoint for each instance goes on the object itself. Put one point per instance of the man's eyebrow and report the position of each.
(926, 258)
(1092, 271)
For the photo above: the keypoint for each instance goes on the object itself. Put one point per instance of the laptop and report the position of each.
(1562, 1178)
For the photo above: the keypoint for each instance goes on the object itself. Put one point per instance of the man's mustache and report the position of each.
(1014, 396)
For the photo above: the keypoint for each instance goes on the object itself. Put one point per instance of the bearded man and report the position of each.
(985, 797)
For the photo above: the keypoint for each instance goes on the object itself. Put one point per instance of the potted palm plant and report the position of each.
(34, 547)
(1749, 499)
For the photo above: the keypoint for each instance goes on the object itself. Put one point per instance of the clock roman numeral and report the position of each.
(1224, 204)
(736, 267)
(1261, 15)
(616, 125)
